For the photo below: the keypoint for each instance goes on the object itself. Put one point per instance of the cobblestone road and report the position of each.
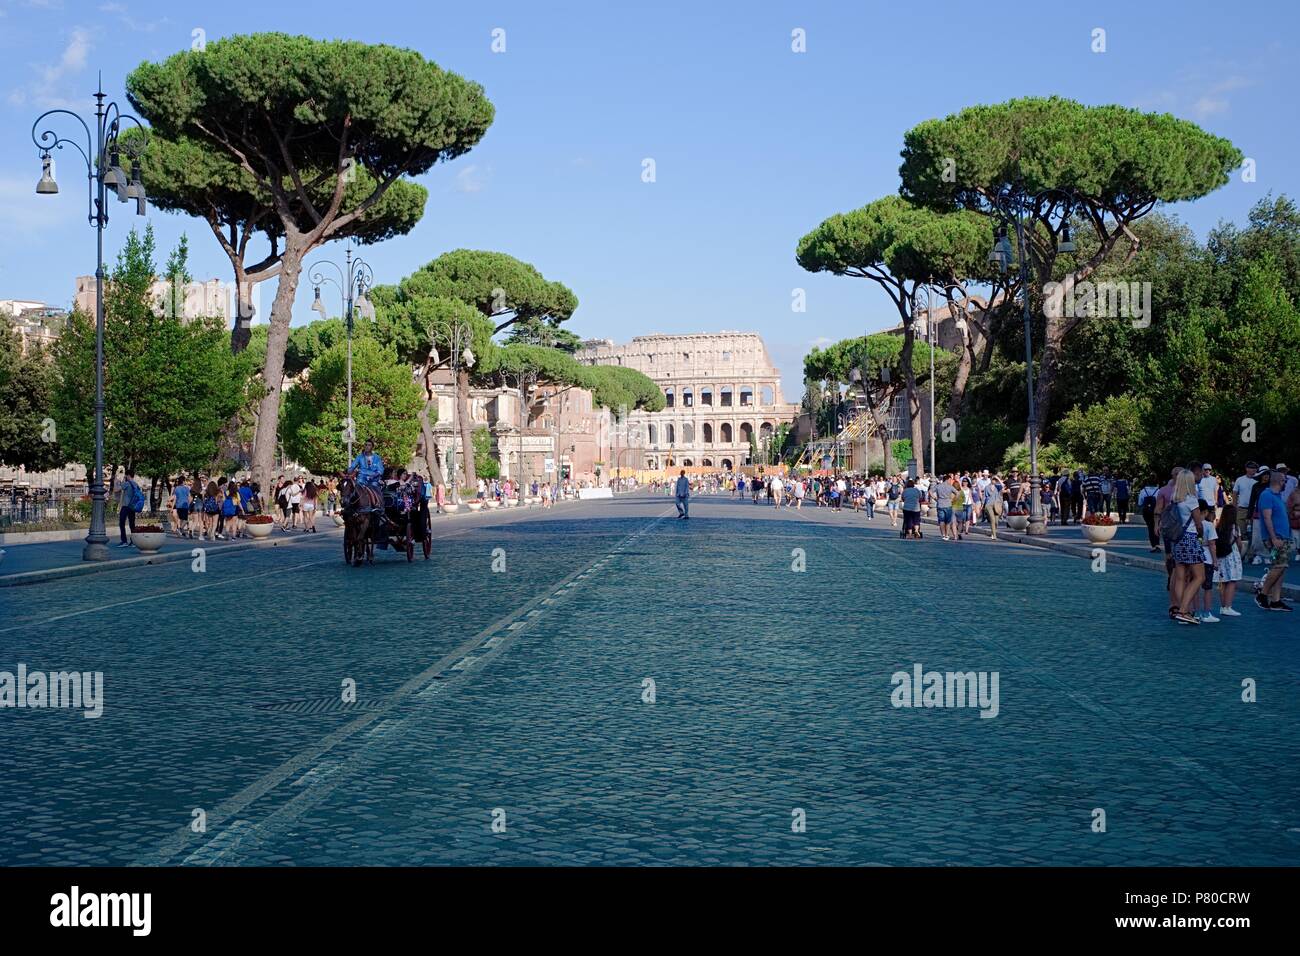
(519, 699)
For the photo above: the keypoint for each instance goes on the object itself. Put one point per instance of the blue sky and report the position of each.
(753, 144)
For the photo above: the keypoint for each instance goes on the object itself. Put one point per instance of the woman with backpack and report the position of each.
(1147, 505)
(211, 511)
(130, 502)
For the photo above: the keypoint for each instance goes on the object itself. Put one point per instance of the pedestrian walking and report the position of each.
(683, 492)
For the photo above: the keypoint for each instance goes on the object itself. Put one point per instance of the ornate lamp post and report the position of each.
(355, 279)
(1012, 206)
(102, 154)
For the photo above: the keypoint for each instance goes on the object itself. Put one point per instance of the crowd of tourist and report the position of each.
(1208, 528)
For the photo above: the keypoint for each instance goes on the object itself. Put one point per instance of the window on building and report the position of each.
(670, 434)
(706, 396)
(726, 433)
(688, 399)
(688, 434)
(746, 396)
(768, 395)
(668, 398)
(654, 435)
(708, 434)
(726, 396)
(726, 357)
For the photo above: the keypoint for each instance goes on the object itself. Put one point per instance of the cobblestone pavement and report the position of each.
(504, 718)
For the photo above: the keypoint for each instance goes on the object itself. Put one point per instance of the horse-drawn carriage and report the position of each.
(394, 518)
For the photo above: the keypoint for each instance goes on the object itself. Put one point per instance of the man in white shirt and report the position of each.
(1241, 489)
(1207, 489)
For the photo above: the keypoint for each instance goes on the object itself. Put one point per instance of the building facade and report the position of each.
(722, 393)
(196, 300)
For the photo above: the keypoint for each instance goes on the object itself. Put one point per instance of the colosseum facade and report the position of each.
(721, 388)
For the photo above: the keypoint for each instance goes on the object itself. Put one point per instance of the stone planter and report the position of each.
(492, 503)
(148, 542)
(1018, 522)
(259, 531)
(474, 505)
(1099, 533)
(509, 502)
(451, 507)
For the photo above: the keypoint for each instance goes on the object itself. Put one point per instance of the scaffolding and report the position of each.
(842, 448)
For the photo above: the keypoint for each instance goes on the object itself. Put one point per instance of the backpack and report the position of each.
(1171, 527)
(137, 498)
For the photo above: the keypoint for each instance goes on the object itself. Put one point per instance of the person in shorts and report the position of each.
(180, 508)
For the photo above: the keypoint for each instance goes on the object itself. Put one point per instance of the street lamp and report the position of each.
(1012, 205)
(354, 282)
(102, 154)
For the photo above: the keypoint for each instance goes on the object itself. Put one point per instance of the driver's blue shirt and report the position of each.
(369, 468)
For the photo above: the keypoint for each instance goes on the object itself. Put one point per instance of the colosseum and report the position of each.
(721, 390)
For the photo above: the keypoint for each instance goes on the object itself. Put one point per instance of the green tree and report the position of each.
(486, 465)
(902, 246)
(302, 122)
(26, 399)
(1113, 432)
(474, 294)
(386, 405)
(170, 385)
(1102, 166)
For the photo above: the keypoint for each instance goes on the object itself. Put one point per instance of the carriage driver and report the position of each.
(367, 467)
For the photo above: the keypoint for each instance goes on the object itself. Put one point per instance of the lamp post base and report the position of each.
(96, 549)
(1037, 525)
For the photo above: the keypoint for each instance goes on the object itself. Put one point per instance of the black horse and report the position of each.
(362, 509)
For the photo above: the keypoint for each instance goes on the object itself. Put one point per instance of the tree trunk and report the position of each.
(432, 459)
(1058, 326)
(466, 428)
(243, 327)
(1048, 367)
(268, 414)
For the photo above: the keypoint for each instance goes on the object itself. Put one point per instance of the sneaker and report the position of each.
(1182, 618)
(1261, 601)
(1208, 618)
(1280, 606)
(1229, 612)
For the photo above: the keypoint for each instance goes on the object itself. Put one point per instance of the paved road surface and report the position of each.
(519, 697)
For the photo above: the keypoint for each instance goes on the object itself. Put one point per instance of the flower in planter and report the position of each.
(147, 529)
(259, 519)
(1104, 521)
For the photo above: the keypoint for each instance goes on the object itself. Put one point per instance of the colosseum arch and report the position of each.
(726, 433)
(746, 432)
(688, 434)
(708, 432)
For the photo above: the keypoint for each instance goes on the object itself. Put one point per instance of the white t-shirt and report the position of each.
(1209, 536)
(295, 493)
(1241, 489)
(798, 489)
(1208, 489)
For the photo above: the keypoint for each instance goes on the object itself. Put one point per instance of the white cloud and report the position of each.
(1200, 93)
(472, 179)
(47, 88)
